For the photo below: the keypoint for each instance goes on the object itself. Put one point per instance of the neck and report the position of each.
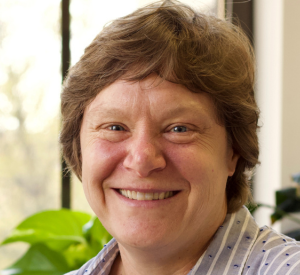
(156, 262)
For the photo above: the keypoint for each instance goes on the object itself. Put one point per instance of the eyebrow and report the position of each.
(183, 109)
(107, 112)
(103, 111)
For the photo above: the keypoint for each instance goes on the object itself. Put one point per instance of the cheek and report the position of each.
(189, 162)
(100, 159)
(204, 172)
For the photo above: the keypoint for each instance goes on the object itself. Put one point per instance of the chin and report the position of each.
(144, 236)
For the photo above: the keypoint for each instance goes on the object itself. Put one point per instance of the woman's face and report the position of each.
(160, 145)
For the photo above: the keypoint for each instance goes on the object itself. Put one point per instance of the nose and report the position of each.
(144, 157)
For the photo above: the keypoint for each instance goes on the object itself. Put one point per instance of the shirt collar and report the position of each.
(230, 246)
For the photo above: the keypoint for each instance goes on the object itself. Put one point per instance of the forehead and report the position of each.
(153, 93)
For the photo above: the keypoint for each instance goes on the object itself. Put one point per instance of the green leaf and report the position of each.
(252, 207)
(39, 259)
(77, 255)
(20, 272)
(96, 235)
(287, 200)
(75, 237)
(58, 229)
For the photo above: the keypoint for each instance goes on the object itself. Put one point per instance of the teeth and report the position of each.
(124, 193)
(161, 196)
(140, 196)
(145, 196)
(148, 196)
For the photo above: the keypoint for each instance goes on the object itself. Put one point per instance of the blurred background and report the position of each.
(30, 86)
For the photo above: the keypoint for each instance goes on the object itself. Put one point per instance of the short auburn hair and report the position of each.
(201, 52)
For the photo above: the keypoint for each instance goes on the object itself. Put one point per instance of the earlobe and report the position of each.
(234, 157)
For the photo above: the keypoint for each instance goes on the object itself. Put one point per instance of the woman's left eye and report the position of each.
(179, 129)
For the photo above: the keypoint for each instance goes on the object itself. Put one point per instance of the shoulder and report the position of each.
(273, 253)
(102, 262)
(241, 247)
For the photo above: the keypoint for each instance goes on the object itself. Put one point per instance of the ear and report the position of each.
(232, 161)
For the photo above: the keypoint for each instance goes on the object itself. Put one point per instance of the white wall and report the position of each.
(277, 46)
(290, 149)
(268, 18)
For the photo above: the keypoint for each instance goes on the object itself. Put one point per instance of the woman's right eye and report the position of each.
(116, 128)
(114, 132)
(179, 129)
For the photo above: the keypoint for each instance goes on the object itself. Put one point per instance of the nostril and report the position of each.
(144, 161)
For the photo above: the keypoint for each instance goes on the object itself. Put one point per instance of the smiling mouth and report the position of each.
(140, 196)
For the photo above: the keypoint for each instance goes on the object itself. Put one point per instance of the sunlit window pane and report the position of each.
(30, 82)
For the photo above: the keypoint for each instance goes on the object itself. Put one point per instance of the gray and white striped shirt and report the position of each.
(238, 247)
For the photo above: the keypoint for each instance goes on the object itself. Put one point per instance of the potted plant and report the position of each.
(60, 241)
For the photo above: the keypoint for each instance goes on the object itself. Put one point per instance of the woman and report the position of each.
(159, 123)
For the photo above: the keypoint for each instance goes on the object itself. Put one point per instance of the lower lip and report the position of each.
(146, 203)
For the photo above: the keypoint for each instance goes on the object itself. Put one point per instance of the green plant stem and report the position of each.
(276, 209)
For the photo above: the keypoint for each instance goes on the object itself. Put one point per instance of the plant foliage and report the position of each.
(61, 241)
